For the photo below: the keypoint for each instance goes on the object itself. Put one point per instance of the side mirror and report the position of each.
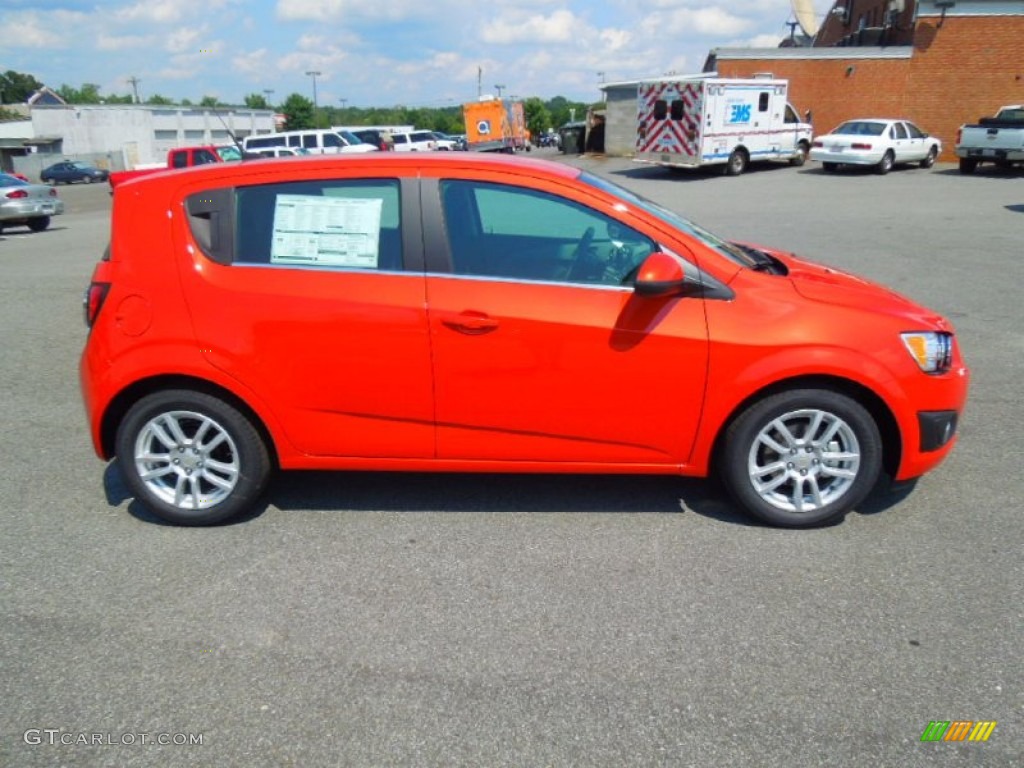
(660, 275)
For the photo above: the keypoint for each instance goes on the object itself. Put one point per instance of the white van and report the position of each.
(701, 120)
(316, 141)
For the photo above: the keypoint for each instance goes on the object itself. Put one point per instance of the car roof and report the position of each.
(481, 161)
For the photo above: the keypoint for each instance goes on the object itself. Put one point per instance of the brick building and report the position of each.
(963, 59)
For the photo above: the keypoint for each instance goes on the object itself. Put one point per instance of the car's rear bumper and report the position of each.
(846, 158)
(20, 210)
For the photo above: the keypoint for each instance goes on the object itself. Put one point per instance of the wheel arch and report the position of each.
(888, 428)
(126, 398)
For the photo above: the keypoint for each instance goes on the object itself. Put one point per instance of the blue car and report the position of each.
(70, 171)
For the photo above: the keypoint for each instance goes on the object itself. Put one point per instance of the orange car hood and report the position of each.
(835, 287)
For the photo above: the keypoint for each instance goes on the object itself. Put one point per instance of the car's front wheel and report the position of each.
(802, 457)
(929, 159)
(192, 458)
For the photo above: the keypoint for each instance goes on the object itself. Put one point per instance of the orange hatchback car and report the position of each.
(478, 313)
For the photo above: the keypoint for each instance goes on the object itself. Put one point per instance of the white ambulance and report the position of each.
(697, 121)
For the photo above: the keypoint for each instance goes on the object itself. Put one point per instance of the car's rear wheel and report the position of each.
(802, 457)
(737, 163)
(87, 179)
(192, 458)
(39, 224)
(886, 163)
(829, 167)
(929, 160)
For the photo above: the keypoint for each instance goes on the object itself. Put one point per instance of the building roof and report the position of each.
(841, 52)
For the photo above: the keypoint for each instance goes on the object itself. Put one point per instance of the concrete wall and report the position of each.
(142, 134)
(620, 121)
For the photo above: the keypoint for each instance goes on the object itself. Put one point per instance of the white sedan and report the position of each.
(877, 142)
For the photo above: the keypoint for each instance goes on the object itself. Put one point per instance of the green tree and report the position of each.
(538, 119)
(89, 93)
(209, 101)
(298, 112)
(16, 87)
(256, 101)
(157, 99)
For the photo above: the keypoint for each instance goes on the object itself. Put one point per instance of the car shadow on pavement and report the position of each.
(445, 492)
(412, 492)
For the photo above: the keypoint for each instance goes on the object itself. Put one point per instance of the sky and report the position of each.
(374, 54)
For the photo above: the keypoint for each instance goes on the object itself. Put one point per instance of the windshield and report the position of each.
(227, 154)
(350, 137)
(861, 128)
(729, 250)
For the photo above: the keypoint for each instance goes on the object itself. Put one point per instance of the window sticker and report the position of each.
(330, 231)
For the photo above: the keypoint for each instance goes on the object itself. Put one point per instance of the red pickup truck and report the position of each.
(182, 157)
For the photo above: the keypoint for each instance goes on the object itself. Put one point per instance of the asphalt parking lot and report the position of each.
(383, 620)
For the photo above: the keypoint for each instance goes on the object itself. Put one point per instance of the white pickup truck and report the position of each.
(998, 140)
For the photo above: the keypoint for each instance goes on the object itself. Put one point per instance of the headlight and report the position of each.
(931, 350)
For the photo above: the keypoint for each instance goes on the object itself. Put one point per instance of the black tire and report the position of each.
(39, 224)
(87, 179)
(830, 167)
(801, 155)
(240, 448)
(968, 165)
(929, 161)
(886, 163)
(809, 466)
(737, 163)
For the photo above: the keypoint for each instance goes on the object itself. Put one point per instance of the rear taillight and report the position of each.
(959, 134)
(817, 144)
(860, 145)
(17, 194)
(53, 192)
(93, 300)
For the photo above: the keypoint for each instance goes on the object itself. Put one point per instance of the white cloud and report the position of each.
(251, 64)
(38, 30)
(107, 42)
(348, 10)
(164, 11)
(713, 22)
(185, 39)
(560, 27)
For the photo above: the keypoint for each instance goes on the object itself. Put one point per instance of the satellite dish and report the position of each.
(806, 17)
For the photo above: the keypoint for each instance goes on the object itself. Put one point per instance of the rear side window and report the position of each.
(762, 102)
(333, 140)
(350, 224)
(677, 109)
(660, 109)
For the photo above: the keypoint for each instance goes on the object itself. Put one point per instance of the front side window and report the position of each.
(204, 156)
(309, 141)
(521, 234)
(914, 131)
(333, 140)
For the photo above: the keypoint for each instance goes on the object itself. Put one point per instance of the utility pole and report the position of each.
(135, 87)
(266, 93)
(479, 79)
(314, 74)
(499, 89)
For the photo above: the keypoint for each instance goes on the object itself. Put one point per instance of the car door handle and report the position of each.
(472, 323)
